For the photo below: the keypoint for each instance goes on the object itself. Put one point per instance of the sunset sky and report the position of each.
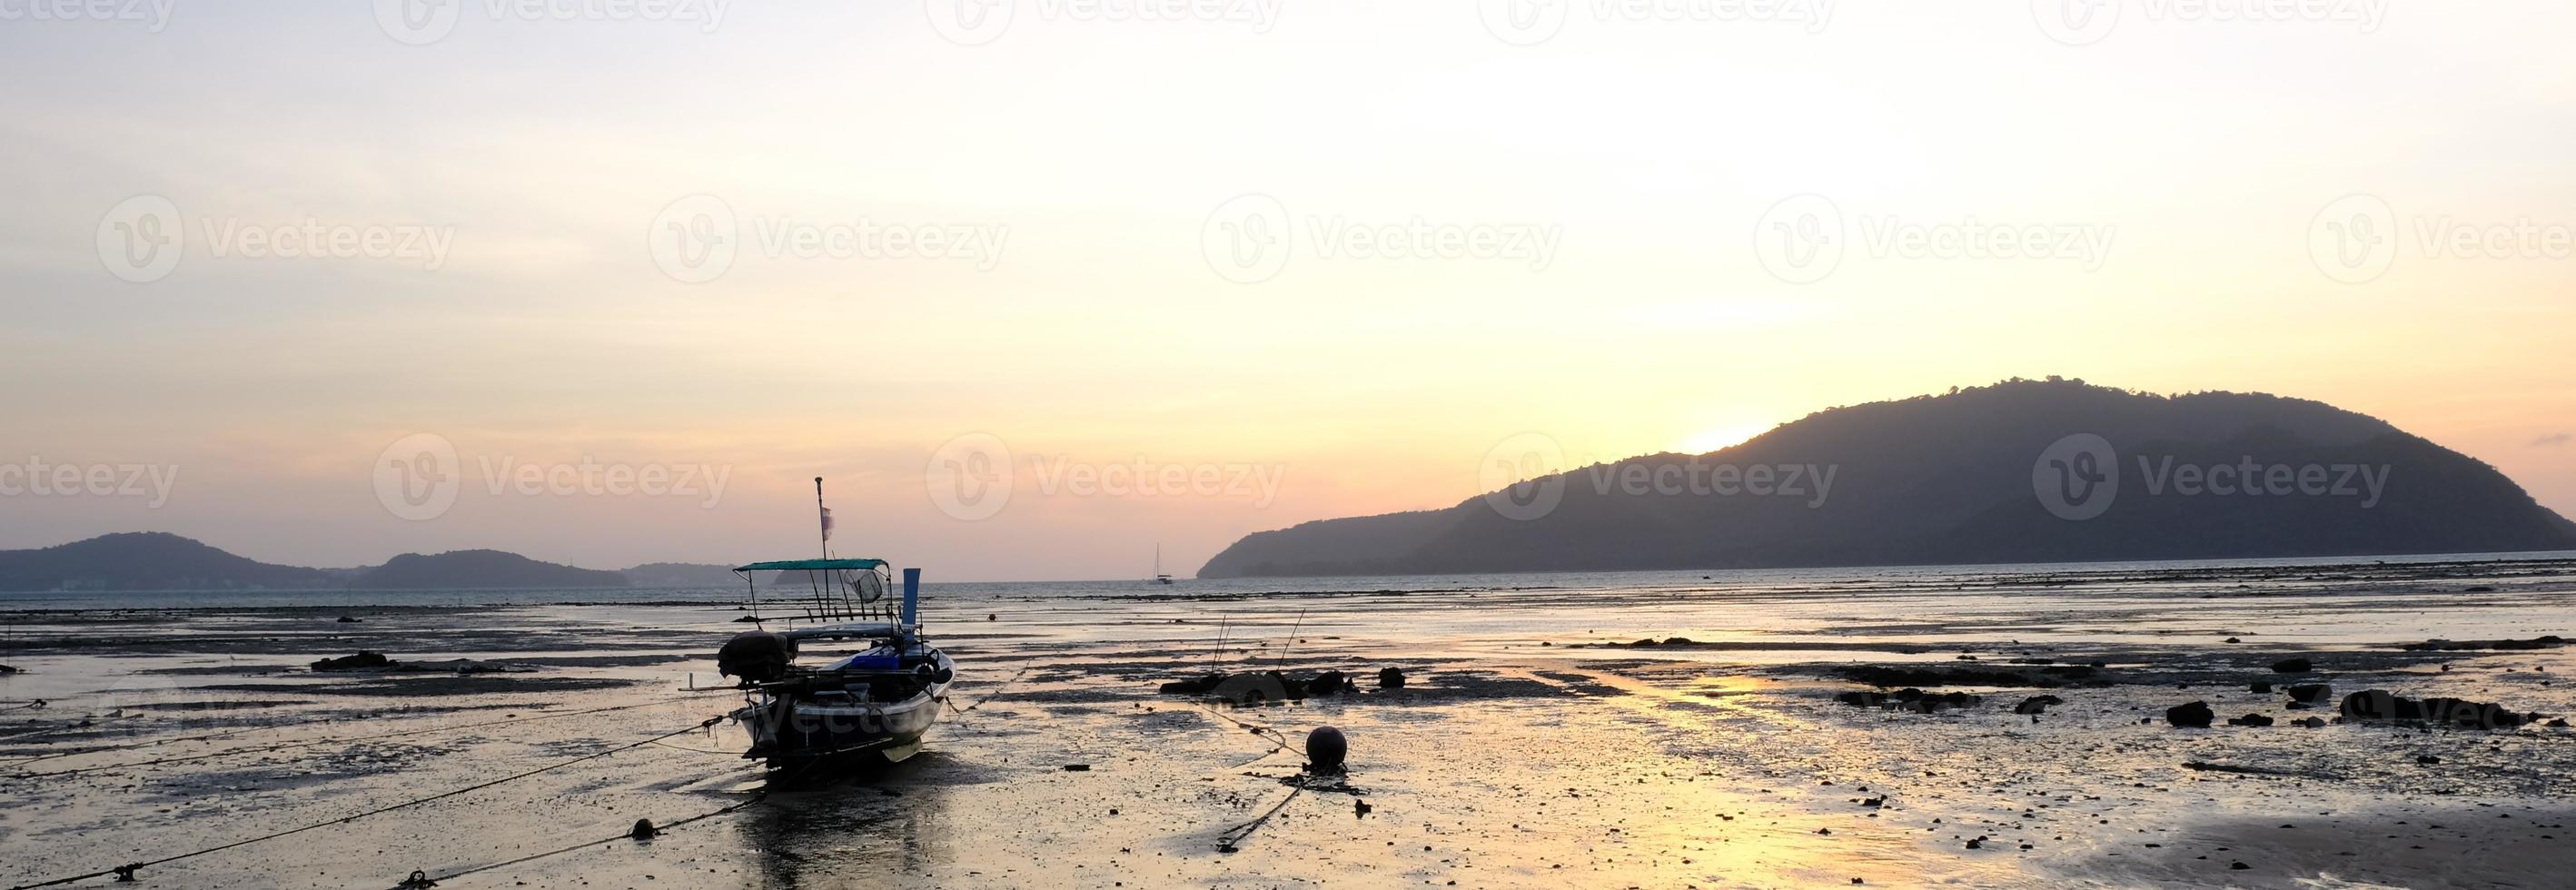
(1584, 204)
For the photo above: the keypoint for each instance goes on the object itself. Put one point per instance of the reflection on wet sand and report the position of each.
(864, 827)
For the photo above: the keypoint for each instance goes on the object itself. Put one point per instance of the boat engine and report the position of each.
(757, 656)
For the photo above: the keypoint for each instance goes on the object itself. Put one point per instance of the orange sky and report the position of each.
(1456, 238)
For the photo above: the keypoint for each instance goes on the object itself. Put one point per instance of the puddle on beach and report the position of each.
(1535, 744)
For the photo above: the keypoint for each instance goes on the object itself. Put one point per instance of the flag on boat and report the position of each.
(827, 523)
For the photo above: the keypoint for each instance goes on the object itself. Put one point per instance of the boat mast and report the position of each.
(823, 522)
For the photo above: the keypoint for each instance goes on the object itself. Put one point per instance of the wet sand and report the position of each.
(1534, 744)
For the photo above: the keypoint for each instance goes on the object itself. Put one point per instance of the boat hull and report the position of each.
(792, 732)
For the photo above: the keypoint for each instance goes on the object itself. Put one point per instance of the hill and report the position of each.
(473, 569)
(147, 561)
(1997, 474)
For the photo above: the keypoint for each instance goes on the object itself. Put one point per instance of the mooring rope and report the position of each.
(126, 872)
(1276, 739)
(989, 696)
(420, 880)
(1227, 841)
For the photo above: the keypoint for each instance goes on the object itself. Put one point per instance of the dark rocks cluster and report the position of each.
(2376, 705)
(2382, 705)
(1326, 683)
(360, 661)
(377, 663)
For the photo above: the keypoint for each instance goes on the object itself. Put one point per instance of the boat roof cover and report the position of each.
(814, 564)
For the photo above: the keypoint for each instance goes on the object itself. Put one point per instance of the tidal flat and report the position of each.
(1616, 730)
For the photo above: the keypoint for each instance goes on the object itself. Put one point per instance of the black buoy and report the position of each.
(1325, 750)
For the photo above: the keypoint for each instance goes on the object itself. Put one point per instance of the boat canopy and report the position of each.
(864, 565)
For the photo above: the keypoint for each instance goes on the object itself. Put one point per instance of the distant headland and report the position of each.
(2020, 471)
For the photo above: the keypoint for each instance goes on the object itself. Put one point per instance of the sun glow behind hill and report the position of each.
(1719, 437)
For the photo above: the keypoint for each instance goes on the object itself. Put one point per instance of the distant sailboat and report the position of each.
(1159, 577)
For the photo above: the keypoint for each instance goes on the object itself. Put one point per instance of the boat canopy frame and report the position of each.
(837, 588)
